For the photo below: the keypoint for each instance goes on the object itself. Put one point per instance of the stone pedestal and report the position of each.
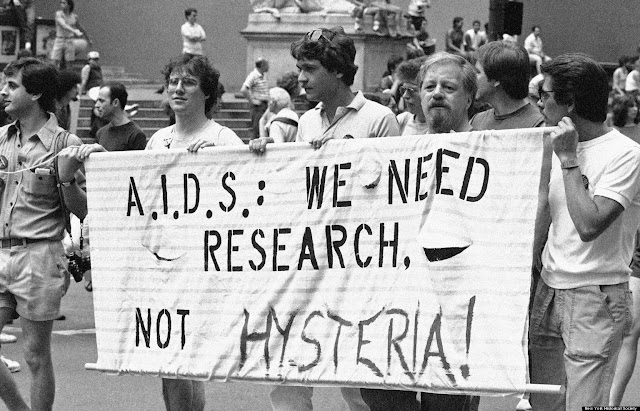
(271, 38)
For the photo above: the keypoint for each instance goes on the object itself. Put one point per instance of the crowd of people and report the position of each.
(583, 326)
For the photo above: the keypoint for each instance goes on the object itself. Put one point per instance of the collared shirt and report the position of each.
(258, 85)
(29, 200)
(362, 118)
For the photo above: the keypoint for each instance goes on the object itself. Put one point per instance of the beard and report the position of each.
(440, 121)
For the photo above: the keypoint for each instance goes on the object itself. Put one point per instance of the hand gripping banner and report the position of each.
(398, 262)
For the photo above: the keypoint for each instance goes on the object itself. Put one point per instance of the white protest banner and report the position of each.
(401, 262)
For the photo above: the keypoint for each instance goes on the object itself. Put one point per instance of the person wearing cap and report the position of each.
(91, 76)
(91, 73)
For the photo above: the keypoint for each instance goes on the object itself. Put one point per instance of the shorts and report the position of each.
(33, 279)
(62, 44)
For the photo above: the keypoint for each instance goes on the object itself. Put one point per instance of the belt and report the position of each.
(15, 242)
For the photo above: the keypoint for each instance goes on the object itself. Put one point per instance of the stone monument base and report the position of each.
(271, 38)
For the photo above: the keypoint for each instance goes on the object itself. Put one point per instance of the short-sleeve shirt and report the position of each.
(409, 126)
(362, 118)
(632, 82)
(610, 167)
(213, 132)
(533, 44)
(620, 78)
(122, 138)
(474, 40)
(282, 132)
(526, 116)
(195, 30)
(257, 83)
(29, 200)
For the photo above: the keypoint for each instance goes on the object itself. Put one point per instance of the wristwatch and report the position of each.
(68, 183)
(570, 163)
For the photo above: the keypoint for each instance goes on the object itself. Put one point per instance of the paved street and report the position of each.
(79, 390)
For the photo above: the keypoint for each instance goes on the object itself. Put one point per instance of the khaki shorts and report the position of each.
(33, 279)
(63, 45)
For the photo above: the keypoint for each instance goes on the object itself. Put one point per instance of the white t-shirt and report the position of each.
(533, 44)
(409, 126)
(610, 167)
(632, 82)
(281, 132)
(214, 132)
(190, 46)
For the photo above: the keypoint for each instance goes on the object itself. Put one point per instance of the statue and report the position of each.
(386, 16)
(275, 7)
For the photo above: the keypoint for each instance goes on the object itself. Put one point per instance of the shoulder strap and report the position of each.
(286, 120)
(59, 143)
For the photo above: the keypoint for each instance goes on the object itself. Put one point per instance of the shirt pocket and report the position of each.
(40, 184)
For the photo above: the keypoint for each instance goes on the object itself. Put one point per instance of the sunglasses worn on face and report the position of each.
(408, 89)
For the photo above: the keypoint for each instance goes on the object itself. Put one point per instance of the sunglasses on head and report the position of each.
(317, 34)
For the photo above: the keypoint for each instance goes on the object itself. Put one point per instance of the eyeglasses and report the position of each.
(317, 34)
(410, 90)
(187, 82)
(544, 94)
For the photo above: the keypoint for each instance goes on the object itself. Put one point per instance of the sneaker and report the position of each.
(523, 405)
(7, 338)
(13, 366)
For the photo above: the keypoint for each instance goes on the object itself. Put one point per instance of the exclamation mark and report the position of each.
(465, 367)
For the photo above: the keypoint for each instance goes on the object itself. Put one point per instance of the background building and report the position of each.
(142, 35)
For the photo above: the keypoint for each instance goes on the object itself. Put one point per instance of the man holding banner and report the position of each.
(592, 211)
(447, 89)
(325, 58)
(192, 85)
(38, 174)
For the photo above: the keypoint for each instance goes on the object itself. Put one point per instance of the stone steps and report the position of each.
(233, 113)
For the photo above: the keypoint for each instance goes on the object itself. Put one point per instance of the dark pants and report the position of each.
(256, 112)
(393, 400)
(443, 402)
(390, 400)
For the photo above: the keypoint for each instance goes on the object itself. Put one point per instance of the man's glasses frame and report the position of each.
(544, 94)
(411, 90)
(187, 82)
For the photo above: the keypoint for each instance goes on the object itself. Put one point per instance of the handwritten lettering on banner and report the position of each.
(400, 262)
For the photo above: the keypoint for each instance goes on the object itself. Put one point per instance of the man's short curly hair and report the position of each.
(199, 67)
(334, 50)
